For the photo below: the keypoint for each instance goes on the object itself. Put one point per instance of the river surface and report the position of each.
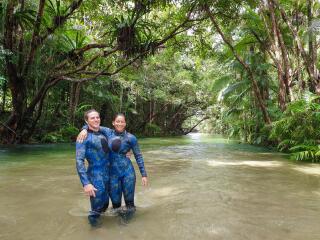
(201, 187)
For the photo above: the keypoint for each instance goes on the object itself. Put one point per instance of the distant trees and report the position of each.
(47, 42)
(269, 50)
(169, 66)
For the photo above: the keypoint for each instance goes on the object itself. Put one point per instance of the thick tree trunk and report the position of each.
(283, 66)
(22, 121)
(282, 89)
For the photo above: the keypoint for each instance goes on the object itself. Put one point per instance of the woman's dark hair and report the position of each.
(119, 115)
(88, 112)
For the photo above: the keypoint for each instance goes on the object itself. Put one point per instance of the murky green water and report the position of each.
(200, 188)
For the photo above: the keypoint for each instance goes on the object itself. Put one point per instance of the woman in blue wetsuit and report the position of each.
(122, 177)
(122, 174)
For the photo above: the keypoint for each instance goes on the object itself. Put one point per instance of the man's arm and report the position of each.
(88, 188)
(81, 168)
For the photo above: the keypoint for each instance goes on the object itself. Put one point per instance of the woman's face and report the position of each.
(119, 123)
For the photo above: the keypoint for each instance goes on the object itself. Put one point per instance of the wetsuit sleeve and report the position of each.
(81, 168)
(104, 130)
(137, 154)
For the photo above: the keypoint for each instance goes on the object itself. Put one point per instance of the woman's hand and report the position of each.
(90, 190)
(144, 181)
(82, 136)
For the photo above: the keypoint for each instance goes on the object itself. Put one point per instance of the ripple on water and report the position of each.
(81, 209)
(214, 163)
(7, 220)
(164, 191)
(311, 169)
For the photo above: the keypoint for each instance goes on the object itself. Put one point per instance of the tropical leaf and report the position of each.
(232, 88)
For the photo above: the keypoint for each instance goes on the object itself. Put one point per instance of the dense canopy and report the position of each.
(248, 69)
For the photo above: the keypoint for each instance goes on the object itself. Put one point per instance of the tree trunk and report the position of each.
(4, 91)
(256, 89)
(314, 81)
(312, 46)
(193, 127)
(75, 89)
(283, 66)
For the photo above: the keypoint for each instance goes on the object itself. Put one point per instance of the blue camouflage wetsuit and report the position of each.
(122, 174)
(95, 150)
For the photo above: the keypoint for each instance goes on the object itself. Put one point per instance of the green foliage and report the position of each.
(152, 129)
(65, 134)
(69, 133)
(298, 129)
(194, 73)
(304, 152)
(52, 137)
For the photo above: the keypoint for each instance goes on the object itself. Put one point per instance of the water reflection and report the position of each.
(312, 169)
(246, 163)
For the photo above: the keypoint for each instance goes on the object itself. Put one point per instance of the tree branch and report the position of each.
(62, 19)
(200, 121)
(296, 38)
(82, 79)
(38, 40)
(36, 31)
(243, 63)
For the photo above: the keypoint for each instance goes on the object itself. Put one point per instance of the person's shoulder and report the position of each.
(106, 129)
(131, 137)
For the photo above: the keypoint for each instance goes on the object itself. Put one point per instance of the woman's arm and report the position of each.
(83, 134)
(139, 158)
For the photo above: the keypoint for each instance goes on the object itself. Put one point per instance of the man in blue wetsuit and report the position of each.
(95, 178)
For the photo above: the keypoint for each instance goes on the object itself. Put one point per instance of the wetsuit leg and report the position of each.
(128, 187)
(100, 202)
(115, 191)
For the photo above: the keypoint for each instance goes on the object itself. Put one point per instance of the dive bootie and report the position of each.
(95, 220)
(126, 214)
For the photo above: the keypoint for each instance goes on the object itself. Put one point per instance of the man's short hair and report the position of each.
(88, 112)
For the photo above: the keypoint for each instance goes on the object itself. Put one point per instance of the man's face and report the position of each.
(93, 120)
(119, 124)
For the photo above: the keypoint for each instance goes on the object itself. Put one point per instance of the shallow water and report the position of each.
(201, 187)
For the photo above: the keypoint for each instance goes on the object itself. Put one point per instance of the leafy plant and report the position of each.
(297, 131)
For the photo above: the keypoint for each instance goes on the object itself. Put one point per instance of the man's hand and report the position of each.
(144, 181)
(82, 136)
(90, 190)
(129, 154)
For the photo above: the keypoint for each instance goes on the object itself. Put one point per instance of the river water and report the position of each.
(201, 187)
